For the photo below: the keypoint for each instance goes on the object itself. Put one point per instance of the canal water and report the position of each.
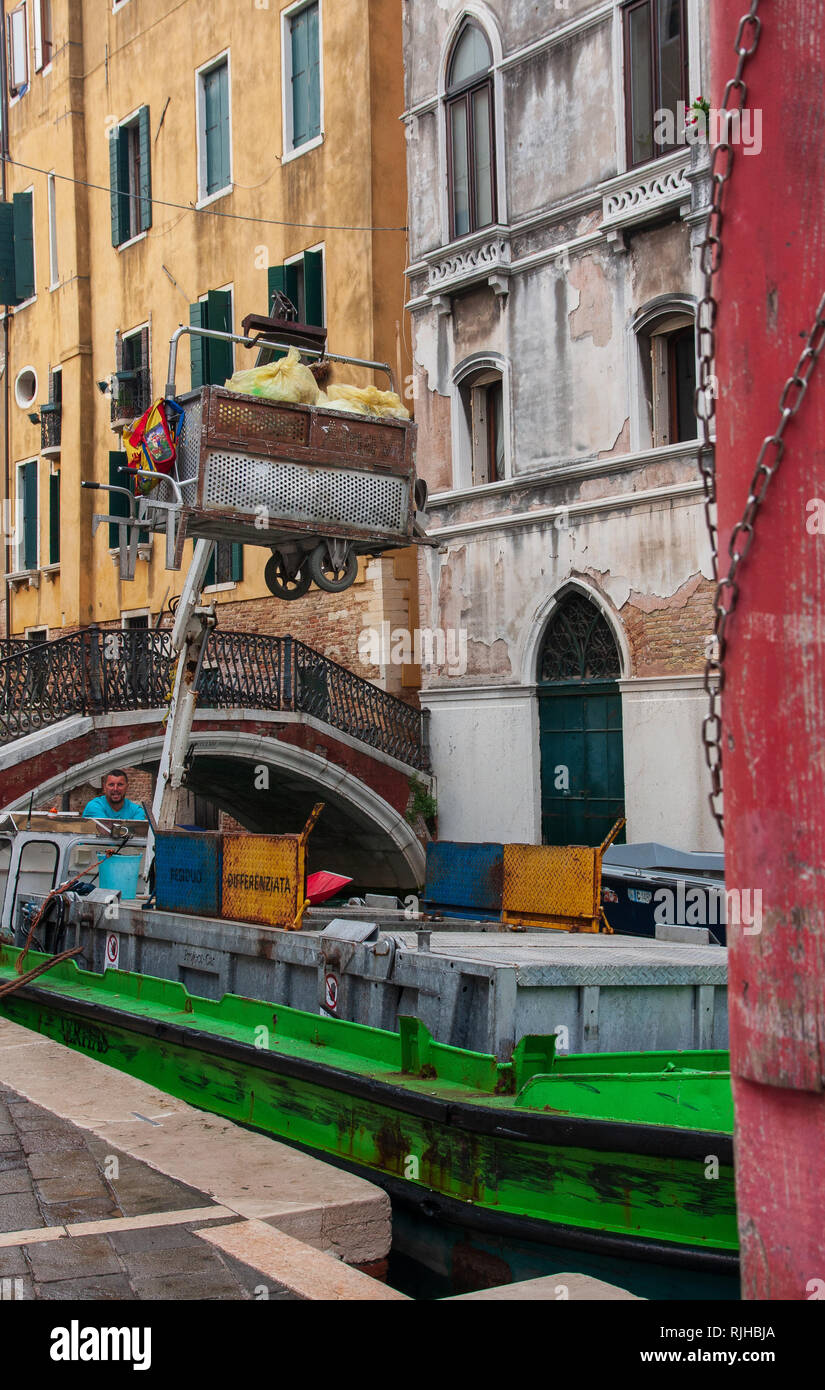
(431, 1258)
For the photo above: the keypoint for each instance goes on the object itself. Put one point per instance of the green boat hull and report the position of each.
(532, 1147)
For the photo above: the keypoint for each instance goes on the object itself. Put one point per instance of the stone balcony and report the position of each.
(642, 195)
(480, 259)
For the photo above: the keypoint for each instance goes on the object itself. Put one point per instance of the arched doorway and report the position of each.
(580, 725)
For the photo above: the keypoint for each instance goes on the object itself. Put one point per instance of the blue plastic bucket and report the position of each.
(120, 871)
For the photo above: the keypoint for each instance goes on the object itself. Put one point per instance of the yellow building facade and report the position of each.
(170, 163)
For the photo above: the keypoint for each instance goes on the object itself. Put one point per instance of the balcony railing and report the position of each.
(131, 395)
(51, 425)
(97, 671)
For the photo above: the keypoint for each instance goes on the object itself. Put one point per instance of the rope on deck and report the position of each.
(11, 985)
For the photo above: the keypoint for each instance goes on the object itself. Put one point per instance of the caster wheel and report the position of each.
(333, 566)
(282, 584)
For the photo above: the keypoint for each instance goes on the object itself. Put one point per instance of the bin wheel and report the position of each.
(333, 566)
(281, 583)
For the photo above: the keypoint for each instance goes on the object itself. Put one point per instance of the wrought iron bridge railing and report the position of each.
(98, 670)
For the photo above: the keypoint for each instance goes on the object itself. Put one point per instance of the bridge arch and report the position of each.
(360, 832)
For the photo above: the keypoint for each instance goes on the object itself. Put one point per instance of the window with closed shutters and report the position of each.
(214, 117)
(305, 74)
(130, 177)
(28, 519)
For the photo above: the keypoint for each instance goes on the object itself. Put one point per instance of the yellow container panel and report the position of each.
(264, 879)
(552, 886)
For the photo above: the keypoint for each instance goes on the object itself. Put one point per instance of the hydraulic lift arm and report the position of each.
(193, 624)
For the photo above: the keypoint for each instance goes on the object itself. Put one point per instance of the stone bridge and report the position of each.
(278, 727)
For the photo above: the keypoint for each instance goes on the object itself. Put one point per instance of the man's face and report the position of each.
(114, 789)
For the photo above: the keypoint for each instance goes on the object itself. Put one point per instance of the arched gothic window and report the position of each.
(470, 133)
(578, 644)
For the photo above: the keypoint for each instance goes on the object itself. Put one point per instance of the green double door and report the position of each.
(582, 764)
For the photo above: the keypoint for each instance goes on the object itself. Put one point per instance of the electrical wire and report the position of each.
(201, 212)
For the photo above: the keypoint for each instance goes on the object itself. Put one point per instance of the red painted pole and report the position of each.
(770, 281)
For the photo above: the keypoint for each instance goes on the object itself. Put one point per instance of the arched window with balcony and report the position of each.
(471, 170)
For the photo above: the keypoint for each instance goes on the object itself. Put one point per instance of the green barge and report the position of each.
(621, 1154)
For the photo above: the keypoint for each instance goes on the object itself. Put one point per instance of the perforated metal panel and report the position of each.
(190, 442)
(250, 420)
(305, 493)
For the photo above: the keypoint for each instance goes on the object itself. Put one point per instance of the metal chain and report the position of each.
(727, 589)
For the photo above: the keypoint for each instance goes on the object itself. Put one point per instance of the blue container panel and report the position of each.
(465, 876)
(188, 873)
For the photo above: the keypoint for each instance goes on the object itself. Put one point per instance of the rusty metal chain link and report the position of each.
(773, 446)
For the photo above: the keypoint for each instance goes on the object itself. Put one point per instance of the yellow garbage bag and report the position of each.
(368, 400)
(351, 407)
(287, 379)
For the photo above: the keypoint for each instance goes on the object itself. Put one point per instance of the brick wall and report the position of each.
(667, 636)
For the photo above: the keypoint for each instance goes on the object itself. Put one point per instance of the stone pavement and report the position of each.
(131, 1228)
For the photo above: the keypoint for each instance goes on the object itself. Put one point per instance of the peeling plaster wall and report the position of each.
(634, 536)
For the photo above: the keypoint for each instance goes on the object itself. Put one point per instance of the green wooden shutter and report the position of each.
(209, 577)
(23, 245)
(219, 318)
(276, 282)
(145, 142)
(314, 288)
(300, 79)
(54, 518)
(118, 505)
(314, 69)
(216, 126)
(236, 562)
(281, 279)
(8, 282)
(198, 346)
(119, 184)
(30, 517)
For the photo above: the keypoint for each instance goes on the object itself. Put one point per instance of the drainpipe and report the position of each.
(4, 150)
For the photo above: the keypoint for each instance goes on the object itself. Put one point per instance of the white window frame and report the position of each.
(204, 198)
(19, 523)
(39, 627)
(37, 23)
(24, 86)
(294, 260)
(479, 362)
(488, 23)
(54, 265)
(290, 152)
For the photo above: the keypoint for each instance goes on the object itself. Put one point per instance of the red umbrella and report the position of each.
(324, 885)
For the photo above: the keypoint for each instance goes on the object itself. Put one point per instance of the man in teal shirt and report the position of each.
(114, 803)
